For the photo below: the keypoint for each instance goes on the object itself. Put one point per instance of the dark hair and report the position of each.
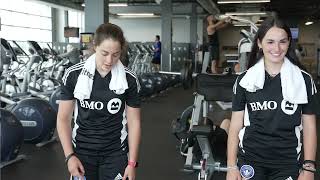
(158, 37)
(111, 31)
(215, 20)
(266, 25)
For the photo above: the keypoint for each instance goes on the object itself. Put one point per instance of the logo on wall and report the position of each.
(288, 108)
(114, 105)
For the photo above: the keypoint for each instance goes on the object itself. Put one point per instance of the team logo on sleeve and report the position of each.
(288, 107)
(114, 105)
(247, 171)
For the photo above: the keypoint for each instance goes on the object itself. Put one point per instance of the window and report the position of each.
(23, 20)
(76, 19)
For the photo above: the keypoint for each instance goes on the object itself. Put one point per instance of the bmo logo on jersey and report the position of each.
(97, 105)
(266, 105)
(288, 108)
(114, 105)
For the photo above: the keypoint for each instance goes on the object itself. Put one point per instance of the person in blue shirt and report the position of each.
(157, 53)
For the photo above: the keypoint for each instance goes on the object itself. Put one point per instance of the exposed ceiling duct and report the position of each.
(209, 6)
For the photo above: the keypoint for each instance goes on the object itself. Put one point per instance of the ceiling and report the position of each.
(295, 9)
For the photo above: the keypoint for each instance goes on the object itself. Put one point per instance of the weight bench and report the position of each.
(209, 87)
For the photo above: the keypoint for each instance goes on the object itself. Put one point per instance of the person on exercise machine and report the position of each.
(273, 102)
(103, 96)
(212, 30)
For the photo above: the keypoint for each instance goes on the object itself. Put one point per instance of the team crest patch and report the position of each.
(114, 105)
(247, 171)
(288, 108)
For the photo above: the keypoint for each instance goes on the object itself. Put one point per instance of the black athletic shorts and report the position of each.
(214, 53)
(104, 167)
(156, 60)
(262, 171)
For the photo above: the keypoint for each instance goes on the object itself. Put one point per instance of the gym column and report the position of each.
(166, 34)
(96, 13)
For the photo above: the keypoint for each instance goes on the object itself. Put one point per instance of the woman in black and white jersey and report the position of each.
(103, 97)
(273, 112)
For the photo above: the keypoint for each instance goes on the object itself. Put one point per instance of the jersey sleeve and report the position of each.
(132, 93)
(238, 98)
(310, 107)
(67, 88)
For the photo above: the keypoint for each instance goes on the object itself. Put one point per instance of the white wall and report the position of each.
(139, 29)
(144, 30)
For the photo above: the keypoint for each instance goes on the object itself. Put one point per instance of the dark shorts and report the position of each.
(156, 60)
(218, 141)
(214, 53)
(267, 172)
(106, 168)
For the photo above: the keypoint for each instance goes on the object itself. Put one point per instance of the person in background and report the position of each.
(103, 97)
(72, 54)
(273, 102)
(212, 30)
(157, 53)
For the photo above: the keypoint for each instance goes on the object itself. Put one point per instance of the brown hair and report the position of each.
(114, 32)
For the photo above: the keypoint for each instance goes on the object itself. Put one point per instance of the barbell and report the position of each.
(186, 75)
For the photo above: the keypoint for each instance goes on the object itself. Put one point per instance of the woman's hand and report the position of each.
(233, 174)
(306, 175)
(75, 167)
(129, 173)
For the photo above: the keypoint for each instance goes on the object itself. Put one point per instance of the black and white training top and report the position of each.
(272, 127)
(100, 122)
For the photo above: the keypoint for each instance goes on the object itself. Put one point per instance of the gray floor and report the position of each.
(159, 158)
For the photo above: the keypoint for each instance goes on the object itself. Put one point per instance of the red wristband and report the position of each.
(133, 164)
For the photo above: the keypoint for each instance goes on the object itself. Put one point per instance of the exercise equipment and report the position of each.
(209, 87)
(11, 138)
(36, 115)
(318, 67)
(186, 74)
(147, 85)
(181, 125)
(38, 119)
(55, 98)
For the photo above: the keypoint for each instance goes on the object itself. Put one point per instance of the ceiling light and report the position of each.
(244, 13)
(136, 15)
(118, 4)
(112, 5)
(239, 1)
(308, 23)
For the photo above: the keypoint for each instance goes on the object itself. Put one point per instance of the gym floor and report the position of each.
(159, 158)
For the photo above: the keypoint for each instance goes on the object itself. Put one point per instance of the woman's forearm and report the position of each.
(64, 126)
(233, 142)
(134, 133)
(64, 132)
(309, 137)
(233, 138)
